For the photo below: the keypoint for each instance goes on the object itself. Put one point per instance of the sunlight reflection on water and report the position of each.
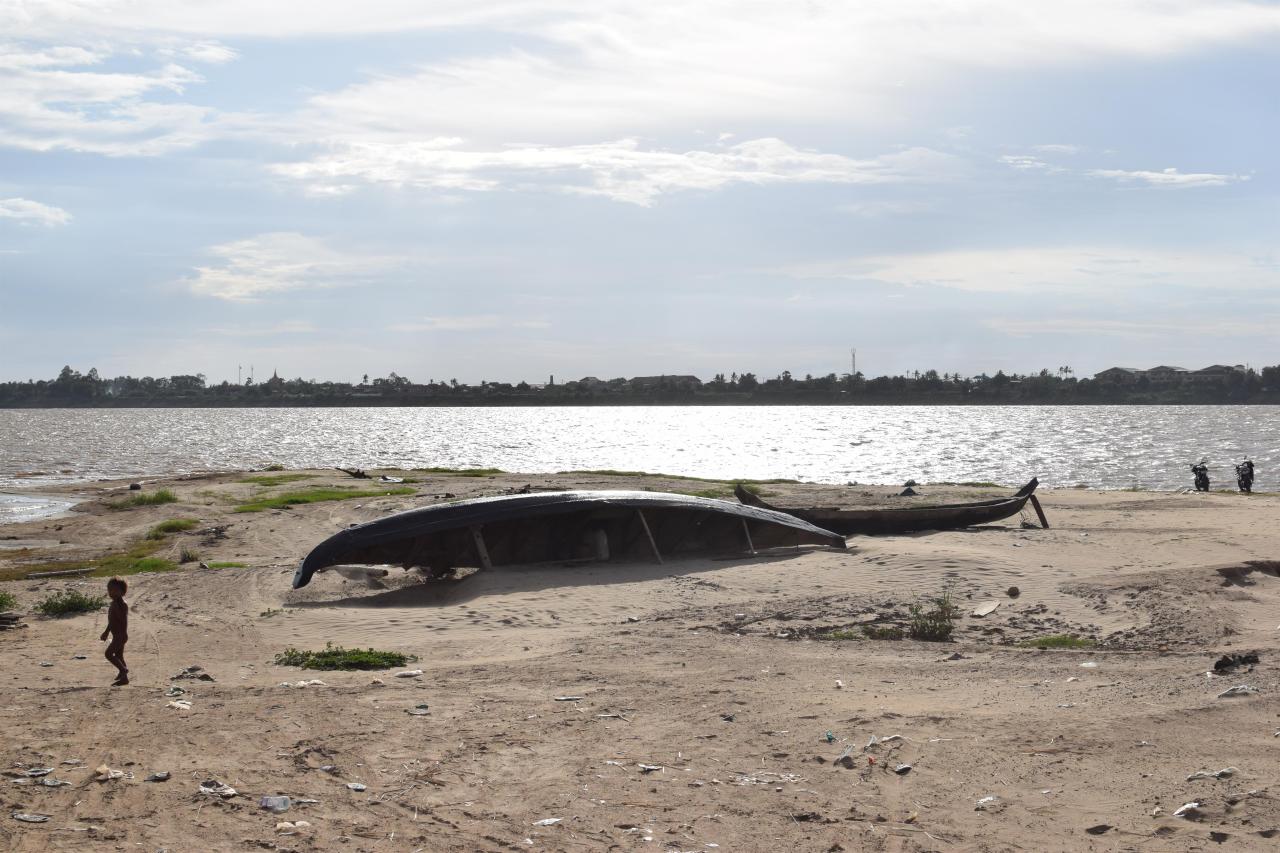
(1102, 446)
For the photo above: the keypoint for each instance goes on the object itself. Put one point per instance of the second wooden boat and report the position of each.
(873, 522)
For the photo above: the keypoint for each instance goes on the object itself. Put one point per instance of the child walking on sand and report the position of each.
(118, 628)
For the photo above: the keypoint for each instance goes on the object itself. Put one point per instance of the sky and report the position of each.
(511, 189)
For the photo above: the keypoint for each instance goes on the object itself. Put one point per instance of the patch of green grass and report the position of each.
(137, 559)
(225, 564)
(972, 484)
(317, 495)
(70, 602)
(187, 555)
(931, 620)
(609, 472)
(163, 496)
(336, 657)
(274, 466)
(1058, 641)
(839, 634)
(277, 479)
(173, 525)
(7, 601)
(882, 632)
(463, 472)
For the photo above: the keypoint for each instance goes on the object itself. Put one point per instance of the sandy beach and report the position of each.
(687, 706)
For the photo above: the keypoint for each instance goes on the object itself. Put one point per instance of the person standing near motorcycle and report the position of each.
(1244, 476)
(1201, 472)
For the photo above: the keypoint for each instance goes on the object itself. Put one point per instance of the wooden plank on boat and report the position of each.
(985, 609)
(747, 532)
(647, 532)
(481, 550)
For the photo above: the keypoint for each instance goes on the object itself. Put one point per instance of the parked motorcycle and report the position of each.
(1244, 476)
(1201, 471)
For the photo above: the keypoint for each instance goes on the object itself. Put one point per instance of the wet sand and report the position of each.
(708, 671)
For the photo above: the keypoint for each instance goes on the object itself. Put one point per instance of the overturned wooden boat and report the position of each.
(559, 526)
(873, 522)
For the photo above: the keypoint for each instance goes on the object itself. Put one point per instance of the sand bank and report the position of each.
(707, 670)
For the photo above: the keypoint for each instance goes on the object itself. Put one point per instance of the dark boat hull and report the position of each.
(549, 526)
(881, 522)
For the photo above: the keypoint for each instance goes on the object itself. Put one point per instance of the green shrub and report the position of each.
(7, 601)
(336, 657)
(163, 496)
(173, 525)
(224, 564)
(277, 479)
(932, 621)
(1058, 641)
(882, 632)
(319, 495)
(186, 555)
(274, 466)
(69, 602)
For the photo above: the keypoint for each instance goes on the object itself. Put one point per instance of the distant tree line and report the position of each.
(1059, 386)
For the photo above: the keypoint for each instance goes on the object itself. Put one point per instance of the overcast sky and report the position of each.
(508, 189)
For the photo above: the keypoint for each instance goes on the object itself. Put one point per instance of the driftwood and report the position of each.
(61, 573)
(358, 473)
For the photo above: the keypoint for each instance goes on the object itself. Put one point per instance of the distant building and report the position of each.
(682, 383)
(1217, 373)
(1119, 375)
(1165, 374)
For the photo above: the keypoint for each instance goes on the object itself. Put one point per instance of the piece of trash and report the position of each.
(830, 737)
(79, 657)
(195, 673)
(1157, 811)
(357, 786)
(1013, 592)
(1099, 829)
(649, 768)
(1067, 705)
(985, 609)
(1238, 690)
(728, 718)
(839, 684)
(418, 710)
(158, 776)
(902, 769)
(279, 805)
(1089, 664)
(39, 771)
(30, 818)
(72, 762)
(1190, 811)
(174, 690)
(306, 801)
(410, 673)
(1230, 663)
(954, 656)
(986, 803)
(179, 704)
(50, 782)
(568, 698)
(106, 774)
(285, 826)
(548, 821)
(377, 682)
(306, 682)
(214, 788)
(45, 663)
(1224, 773)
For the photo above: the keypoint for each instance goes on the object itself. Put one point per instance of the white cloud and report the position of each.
(209, 52)
(1025, 163)
(1057, 269)
(32, 212)
(468, 323)
(1169, 178)
(249, 269)
(621, 170)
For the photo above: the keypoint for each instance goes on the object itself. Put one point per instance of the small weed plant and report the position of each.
(163, 496)
(882, 632)
(336, 657)
(225, 564)
(70, 602)
(931, 620)
(186, 555)
(1058, 641)
(7, 601)
(319, 495)
(172, 525)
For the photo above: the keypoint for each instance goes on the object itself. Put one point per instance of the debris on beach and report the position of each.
(39, 771)
(50, 782)
(1089, 664)
(410, 673)
(1099, 829)
(278, 805)
(985, 609)
(568, 698)
(306, 682)
(30, 818)
(158, 776)
(1238, 690)
(1189, 811)
(1231, 663)
(988, 803)
(902, 769)
(1224, 773)
(357, 786)
(179, 705)
(418, 710)
(194, 672)
(105, 774)
(214, 788)
(548, 821)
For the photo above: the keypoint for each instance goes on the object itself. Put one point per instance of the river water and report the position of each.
(1108, 447)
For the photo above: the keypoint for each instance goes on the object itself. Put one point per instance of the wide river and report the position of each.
(1109, 447)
